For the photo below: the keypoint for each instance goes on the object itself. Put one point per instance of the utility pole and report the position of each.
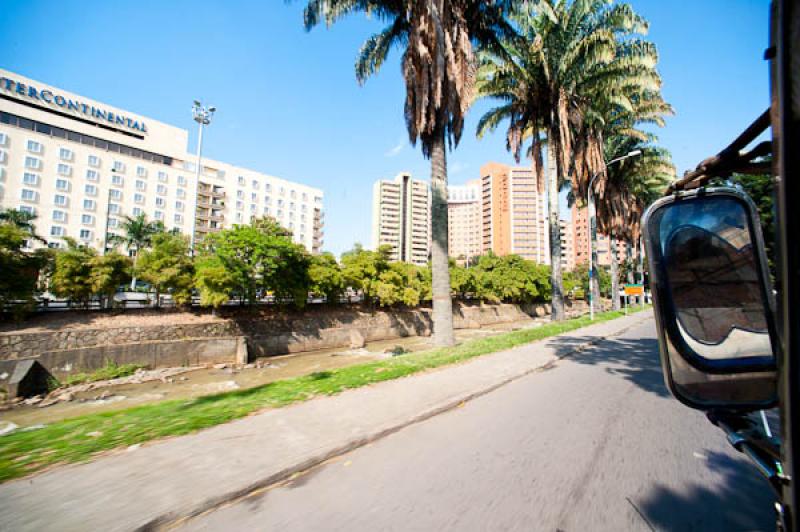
(202, 115)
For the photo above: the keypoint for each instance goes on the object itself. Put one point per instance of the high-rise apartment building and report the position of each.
(567, 246)
(580, 231)
(81, 165)
(464, 221)
(513, 213)
(401, 218)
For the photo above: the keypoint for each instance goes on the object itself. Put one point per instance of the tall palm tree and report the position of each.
(629, 188)
(138, 235)
(438, 39)
(545, 84)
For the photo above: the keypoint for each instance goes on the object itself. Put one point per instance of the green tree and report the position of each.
(510, 279)
(326, 277)
(569, 54)
(20, 268)
(72, 273)
(107, 273)
(438, 39)
(138, 235)
(214, 281)
(361, 268)
(168, 267)
(260, 257)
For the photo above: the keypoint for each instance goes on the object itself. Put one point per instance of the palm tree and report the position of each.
(138, 235)
(629, 188)
(21, 219)
(438, 39)
(545, 84)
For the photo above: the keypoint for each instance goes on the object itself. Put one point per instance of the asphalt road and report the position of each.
(594, 443)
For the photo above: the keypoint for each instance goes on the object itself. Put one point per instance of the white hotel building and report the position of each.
(81, 165)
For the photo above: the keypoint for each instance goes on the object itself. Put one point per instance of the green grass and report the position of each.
(109, 371)
(77, 439)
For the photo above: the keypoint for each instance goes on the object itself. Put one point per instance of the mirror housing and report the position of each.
(713, 299)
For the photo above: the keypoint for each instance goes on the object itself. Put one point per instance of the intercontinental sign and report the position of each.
(33, 95)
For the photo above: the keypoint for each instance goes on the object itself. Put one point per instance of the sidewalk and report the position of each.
(164, 481)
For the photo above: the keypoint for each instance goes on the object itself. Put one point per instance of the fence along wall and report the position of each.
(68, 351)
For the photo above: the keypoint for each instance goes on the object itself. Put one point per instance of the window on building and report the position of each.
(163, 177)
(266, 211)
(115, 194)
(64, 169)
(141, 171)
(57, 230)
(141, 185)
(3, 156)
(240, 194)
(65, 154)
(268, 187)
(160, 202)
(255, 184)
(87, 219)
(159, 215)
(62, 185)
(119, 166)
(28, 209)
(161, 190)
(178, 218)
(34, 147)
(253, 196)
(241, 180)
(117, 180)
(89, 204)
(60, 200)
(29, 195)
(181, 180)
(293, 194)
(86, 234)
(3, 139)
(305, 196)
(283, 191)
(253, 207)
(94, 161)
(137, 211)
(238, 217)
(179, 205)
(280, 203)
(59, 216)
(240, 205)
(181, 193)
(33, 163)
(92, 175)
(138, 198)
(267, 200)
(30, 179)
(113, 222)
(291, 206)
(113, 208)
(54, 245)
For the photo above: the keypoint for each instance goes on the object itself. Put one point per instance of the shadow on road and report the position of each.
(636, 359)
(740, 500)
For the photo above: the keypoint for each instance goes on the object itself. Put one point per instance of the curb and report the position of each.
(170, 520)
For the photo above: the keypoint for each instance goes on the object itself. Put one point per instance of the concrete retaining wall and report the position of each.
(266, 335)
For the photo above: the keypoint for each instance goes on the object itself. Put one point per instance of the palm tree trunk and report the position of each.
(440, 282)
(556, 281)
(614, 272)
(641, 269)
(133, 274)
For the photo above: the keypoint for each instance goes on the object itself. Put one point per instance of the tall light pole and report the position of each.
(592, 227)
(202, 115)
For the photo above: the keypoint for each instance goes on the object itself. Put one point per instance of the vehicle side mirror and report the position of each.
(713, 299)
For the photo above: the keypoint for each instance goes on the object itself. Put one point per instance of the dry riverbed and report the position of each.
(152, 386)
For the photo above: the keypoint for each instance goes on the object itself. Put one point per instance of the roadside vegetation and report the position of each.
(249, 263)
(78, 439)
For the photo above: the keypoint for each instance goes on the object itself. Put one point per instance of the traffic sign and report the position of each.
(634, 289)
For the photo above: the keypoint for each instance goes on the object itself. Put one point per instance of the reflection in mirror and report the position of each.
(714, 278)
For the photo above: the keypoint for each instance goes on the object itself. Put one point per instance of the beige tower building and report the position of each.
(513, 213)
(401, 218)
(567, 246)
(464, 220)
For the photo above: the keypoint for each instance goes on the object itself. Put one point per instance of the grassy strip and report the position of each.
(107, 372)
(77, 439)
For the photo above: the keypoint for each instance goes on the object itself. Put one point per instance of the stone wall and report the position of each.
(267, 333)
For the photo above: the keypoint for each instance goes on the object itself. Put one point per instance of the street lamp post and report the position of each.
(202, 115)
(592, 227)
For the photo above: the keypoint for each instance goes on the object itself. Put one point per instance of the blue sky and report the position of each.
(289, 104)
